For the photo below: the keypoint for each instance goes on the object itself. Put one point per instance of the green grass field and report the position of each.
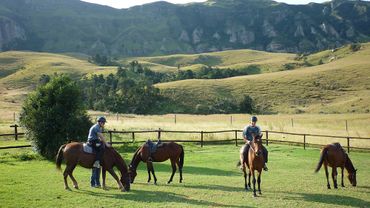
(211, 179)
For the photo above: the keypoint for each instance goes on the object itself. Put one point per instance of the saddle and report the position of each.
(153, 146)
(87, 148)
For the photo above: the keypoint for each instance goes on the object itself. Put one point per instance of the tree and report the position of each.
(54, 114)
(246, 105)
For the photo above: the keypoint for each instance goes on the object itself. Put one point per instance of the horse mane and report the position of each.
(134, 156)
(349, 165)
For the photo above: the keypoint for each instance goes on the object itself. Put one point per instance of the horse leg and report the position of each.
(259, 182)
(254, 183)
(104, 174)
(111, 171)
(173, 164)
(151, 169)
(327, 175)
(148, 169)
(180, 170)
(65, 175)
(342, 177)
(249, 178)
(334, 176)
(245, 176)
(75, 184)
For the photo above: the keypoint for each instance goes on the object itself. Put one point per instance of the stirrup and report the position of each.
(96, 164)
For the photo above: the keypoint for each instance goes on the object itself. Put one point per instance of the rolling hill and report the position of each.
(338, 86)
(337, 82)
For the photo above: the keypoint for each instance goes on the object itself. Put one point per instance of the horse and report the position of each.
(333, 155)
(255, 162)
(170, 150)
(73, 154)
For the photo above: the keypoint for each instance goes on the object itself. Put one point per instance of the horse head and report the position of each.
(125, 180)
(132, 173)
(257, 140)
(352, 177)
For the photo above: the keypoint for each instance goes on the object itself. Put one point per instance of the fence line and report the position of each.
(202, 133)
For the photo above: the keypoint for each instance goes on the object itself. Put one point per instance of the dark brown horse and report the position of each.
(255, 162)
(171, 150)
(333, 155)
(73, 154)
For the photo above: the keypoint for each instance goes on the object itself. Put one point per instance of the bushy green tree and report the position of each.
(247, 105)
(54, 114)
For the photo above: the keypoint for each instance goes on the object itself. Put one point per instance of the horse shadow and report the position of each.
(142, 196)
(329, 199)
(163, 167)
(212, 187)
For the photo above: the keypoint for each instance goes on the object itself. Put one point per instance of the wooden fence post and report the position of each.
(15, 126)
(304, 141)
(236, 137)
(159, 133)
(110, 137)
(231, 120)
(267, 138)
(175, 119)
(201, 139)
(133, 137)
(348, 144)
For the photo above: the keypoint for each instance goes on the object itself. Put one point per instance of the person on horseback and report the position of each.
(97, 142)
(247, 136)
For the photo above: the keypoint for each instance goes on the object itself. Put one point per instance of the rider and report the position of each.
(96, 140)
(247, 136)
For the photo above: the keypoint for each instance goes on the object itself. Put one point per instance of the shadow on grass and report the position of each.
(364, 189)
(330, 199)
(142, 196)
(213, 187)
(166, 167)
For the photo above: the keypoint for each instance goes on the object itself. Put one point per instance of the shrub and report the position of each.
(55, 114)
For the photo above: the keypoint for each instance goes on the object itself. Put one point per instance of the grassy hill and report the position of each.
(340, 85)
(20, 72)
(234, 59)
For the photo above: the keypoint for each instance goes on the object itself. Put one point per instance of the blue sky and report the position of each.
(130, 3)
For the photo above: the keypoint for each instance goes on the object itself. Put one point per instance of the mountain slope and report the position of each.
(164, 28)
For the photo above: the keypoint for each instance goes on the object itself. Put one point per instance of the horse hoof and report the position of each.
(76, 187)
(254, 195)
(123, 190)
(260, 193)
(67, 188)
(168, 182)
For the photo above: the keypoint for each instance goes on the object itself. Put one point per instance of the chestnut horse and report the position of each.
(73, 154)
(333, 155)
(170, 150)
(255, 162)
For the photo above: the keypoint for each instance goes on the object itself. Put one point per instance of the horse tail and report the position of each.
(324, 154)
(59, 157)
(182, 154)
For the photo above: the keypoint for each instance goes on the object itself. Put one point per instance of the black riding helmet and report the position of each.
(254, 118)
(102, 119)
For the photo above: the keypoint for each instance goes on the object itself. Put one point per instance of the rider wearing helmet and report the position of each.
(97, 141)
(247, 136)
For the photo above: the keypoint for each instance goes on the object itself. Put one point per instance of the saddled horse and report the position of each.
(170, 150)
(255, 162)
(74, 154)
(333, 155)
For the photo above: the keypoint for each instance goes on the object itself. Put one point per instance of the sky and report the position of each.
(129, 3)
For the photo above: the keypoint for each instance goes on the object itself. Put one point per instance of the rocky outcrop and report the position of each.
(10, 31)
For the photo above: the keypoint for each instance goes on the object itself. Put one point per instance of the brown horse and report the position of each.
(335, 156)
(73, 154)
(255, 162)
(171, 150)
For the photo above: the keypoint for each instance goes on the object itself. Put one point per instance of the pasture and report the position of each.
(211, 179)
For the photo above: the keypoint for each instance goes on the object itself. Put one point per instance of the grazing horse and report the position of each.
(170, 150)
(335, 156)
(73, 154)
(254, 161)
